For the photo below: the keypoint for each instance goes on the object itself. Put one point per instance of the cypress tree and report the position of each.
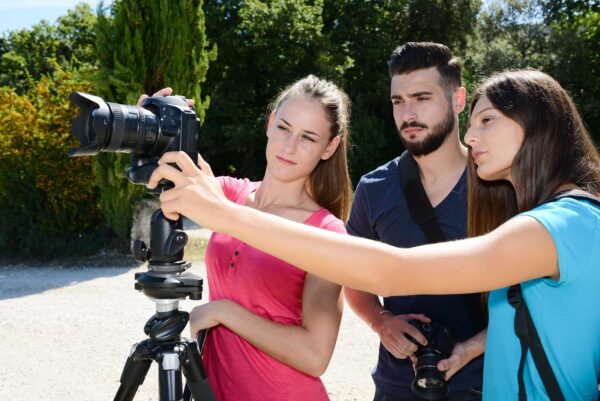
(143, 46)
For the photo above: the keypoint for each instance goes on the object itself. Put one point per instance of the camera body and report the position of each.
(429, 382)
(161, 124)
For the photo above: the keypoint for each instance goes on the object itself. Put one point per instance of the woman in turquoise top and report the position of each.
(527, 143)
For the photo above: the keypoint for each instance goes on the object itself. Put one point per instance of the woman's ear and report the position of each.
(331, 147)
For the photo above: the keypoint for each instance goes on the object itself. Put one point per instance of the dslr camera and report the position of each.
(161, 124)
(429, 382)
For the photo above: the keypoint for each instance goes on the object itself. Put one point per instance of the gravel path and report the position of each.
(65, 334)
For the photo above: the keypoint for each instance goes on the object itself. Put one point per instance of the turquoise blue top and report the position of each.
(566, 312)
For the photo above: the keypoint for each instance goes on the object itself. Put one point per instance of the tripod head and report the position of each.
(166, 278)
(166, 281)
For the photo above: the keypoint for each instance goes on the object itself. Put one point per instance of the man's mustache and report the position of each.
(413, 124)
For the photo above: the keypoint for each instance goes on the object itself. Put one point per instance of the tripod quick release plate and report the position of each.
(161, 285)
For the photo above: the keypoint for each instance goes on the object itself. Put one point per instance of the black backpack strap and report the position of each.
(576, 194)
(530, 340)
(419, 205)
(525, 328)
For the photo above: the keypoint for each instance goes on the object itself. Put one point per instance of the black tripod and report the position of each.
(166, 282)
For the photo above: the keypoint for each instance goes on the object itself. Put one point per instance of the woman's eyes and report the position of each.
(305, 136)
(485, 120)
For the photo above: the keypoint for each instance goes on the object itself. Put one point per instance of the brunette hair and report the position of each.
(413, 56)
(556, 149)
(329, 183)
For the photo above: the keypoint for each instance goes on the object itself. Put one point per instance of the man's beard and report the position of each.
(434, 140)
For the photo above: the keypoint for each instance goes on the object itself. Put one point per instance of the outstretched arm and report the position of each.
(519, 250)
(307, 348)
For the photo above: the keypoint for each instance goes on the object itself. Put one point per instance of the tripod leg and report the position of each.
(169, 377)
(197, 383)
(134, 372)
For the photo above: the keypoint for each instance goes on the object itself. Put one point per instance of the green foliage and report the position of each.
(28, 55)
(47, 201)
(143, 46)
(559, 37)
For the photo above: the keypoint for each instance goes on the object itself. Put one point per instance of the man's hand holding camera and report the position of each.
(401, 338)
(392, 330)
(463, 353)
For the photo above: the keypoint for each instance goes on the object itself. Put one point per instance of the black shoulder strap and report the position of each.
(423, 214)
(418, 202)
(525, 328)
(530, 340)
(576, 194)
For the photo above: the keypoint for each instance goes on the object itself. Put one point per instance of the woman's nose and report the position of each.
(470, 136)
(290, 143)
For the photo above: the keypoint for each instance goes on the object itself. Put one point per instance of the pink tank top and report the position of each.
(269, 287)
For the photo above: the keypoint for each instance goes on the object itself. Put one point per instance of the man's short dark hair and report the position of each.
(413, 56)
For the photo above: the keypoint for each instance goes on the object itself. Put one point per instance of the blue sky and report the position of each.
(17, 14)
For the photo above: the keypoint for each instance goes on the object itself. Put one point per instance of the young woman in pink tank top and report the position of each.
(273, 327)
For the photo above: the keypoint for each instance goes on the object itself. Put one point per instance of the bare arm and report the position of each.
(519, 250)
(307, 348)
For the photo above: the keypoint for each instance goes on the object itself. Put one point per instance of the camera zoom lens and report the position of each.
(133, 129)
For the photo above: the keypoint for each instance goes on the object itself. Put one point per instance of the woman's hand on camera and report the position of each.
(163, 92)
(197, 192)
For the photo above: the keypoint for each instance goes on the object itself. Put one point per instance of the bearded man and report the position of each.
(427, 96)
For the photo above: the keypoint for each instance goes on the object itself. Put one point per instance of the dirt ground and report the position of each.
(65, 334)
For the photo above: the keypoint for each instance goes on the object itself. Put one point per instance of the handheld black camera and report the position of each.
(161, 124)
(429, 382)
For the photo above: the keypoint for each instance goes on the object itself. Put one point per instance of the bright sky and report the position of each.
(17, 14)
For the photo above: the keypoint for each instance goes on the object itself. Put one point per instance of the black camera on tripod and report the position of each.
(429, 382)
(161, 124)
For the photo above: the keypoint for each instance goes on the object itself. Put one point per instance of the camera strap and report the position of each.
(419, 205)
(527, 333)
(423, 214)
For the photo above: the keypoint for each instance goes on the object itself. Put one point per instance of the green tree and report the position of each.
(28, 54)
(47, 201)
(559, 37)
(145, 45)
(576, 25)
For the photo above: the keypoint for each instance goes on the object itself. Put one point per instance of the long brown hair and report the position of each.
(557, 149)
(329, 183)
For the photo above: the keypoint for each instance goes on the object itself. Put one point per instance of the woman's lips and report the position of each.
(476, 154)
(285, 161)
